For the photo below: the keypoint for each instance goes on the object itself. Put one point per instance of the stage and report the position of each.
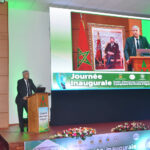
(12, 139)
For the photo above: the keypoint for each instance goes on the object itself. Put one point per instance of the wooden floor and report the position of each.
(12, 139)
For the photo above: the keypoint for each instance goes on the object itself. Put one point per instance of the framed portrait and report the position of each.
(107, 47)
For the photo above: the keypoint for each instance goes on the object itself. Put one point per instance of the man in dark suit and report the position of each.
(112, 52)
(25, 87)
(133, 43)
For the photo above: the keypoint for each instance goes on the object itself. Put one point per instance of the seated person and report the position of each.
(112, 53)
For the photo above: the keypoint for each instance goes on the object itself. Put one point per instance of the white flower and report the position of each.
(66, 135)
(126, 123)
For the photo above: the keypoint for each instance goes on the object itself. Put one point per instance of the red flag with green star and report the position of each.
(83, 57)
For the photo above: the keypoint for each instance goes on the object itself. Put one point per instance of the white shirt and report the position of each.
(135, 40)
(26, 85)
(112, 44)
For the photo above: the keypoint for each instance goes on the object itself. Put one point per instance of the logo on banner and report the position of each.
(136, 136)
(132, 76)
(142, 76)
(120, 76)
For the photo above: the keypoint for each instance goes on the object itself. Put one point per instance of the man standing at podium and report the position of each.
(133, 43)
(24, 88)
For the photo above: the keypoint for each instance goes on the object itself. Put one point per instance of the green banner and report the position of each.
(75, 81)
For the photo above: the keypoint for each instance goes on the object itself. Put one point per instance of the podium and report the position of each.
(38, 113)
(140, 63)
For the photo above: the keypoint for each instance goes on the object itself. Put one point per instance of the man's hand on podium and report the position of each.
(25, 98)
(128, 62)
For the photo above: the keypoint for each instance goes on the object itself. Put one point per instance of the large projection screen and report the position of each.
(88, 51)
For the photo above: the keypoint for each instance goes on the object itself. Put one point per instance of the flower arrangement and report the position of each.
(133, 126)
(81, 132)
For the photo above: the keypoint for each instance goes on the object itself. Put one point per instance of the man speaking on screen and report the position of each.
(135, 42)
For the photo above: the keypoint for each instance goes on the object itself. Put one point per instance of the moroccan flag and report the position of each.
(83, 56)
(98, 51)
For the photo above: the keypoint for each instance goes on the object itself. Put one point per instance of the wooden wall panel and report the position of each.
(3, 23)
(4, 66)
(3, 48)
(3, 9)
(3, 36)
(4, 107)
(4, 104)
(4, 120)
(3, 85)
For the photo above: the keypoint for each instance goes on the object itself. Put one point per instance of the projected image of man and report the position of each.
(112, 53)
(135, 42)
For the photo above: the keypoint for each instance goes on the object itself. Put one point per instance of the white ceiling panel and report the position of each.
(133, 7)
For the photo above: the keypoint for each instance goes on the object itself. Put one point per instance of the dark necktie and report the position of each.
(28, 88)
(137, 41)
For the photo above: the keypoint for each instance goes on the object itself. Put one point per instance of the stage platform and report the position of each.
(12, 139)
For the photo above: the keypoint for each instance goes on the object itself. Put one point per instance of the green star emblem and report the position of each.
(144, 67)
(84, 59)
(43, 101)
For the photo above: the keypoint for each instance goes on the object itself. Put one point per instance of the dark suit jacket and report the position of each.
(114, 49)
(130, 48)
(22, 89)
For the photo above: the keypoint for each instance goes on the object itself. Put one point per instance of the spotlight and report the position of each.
(2, 1)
